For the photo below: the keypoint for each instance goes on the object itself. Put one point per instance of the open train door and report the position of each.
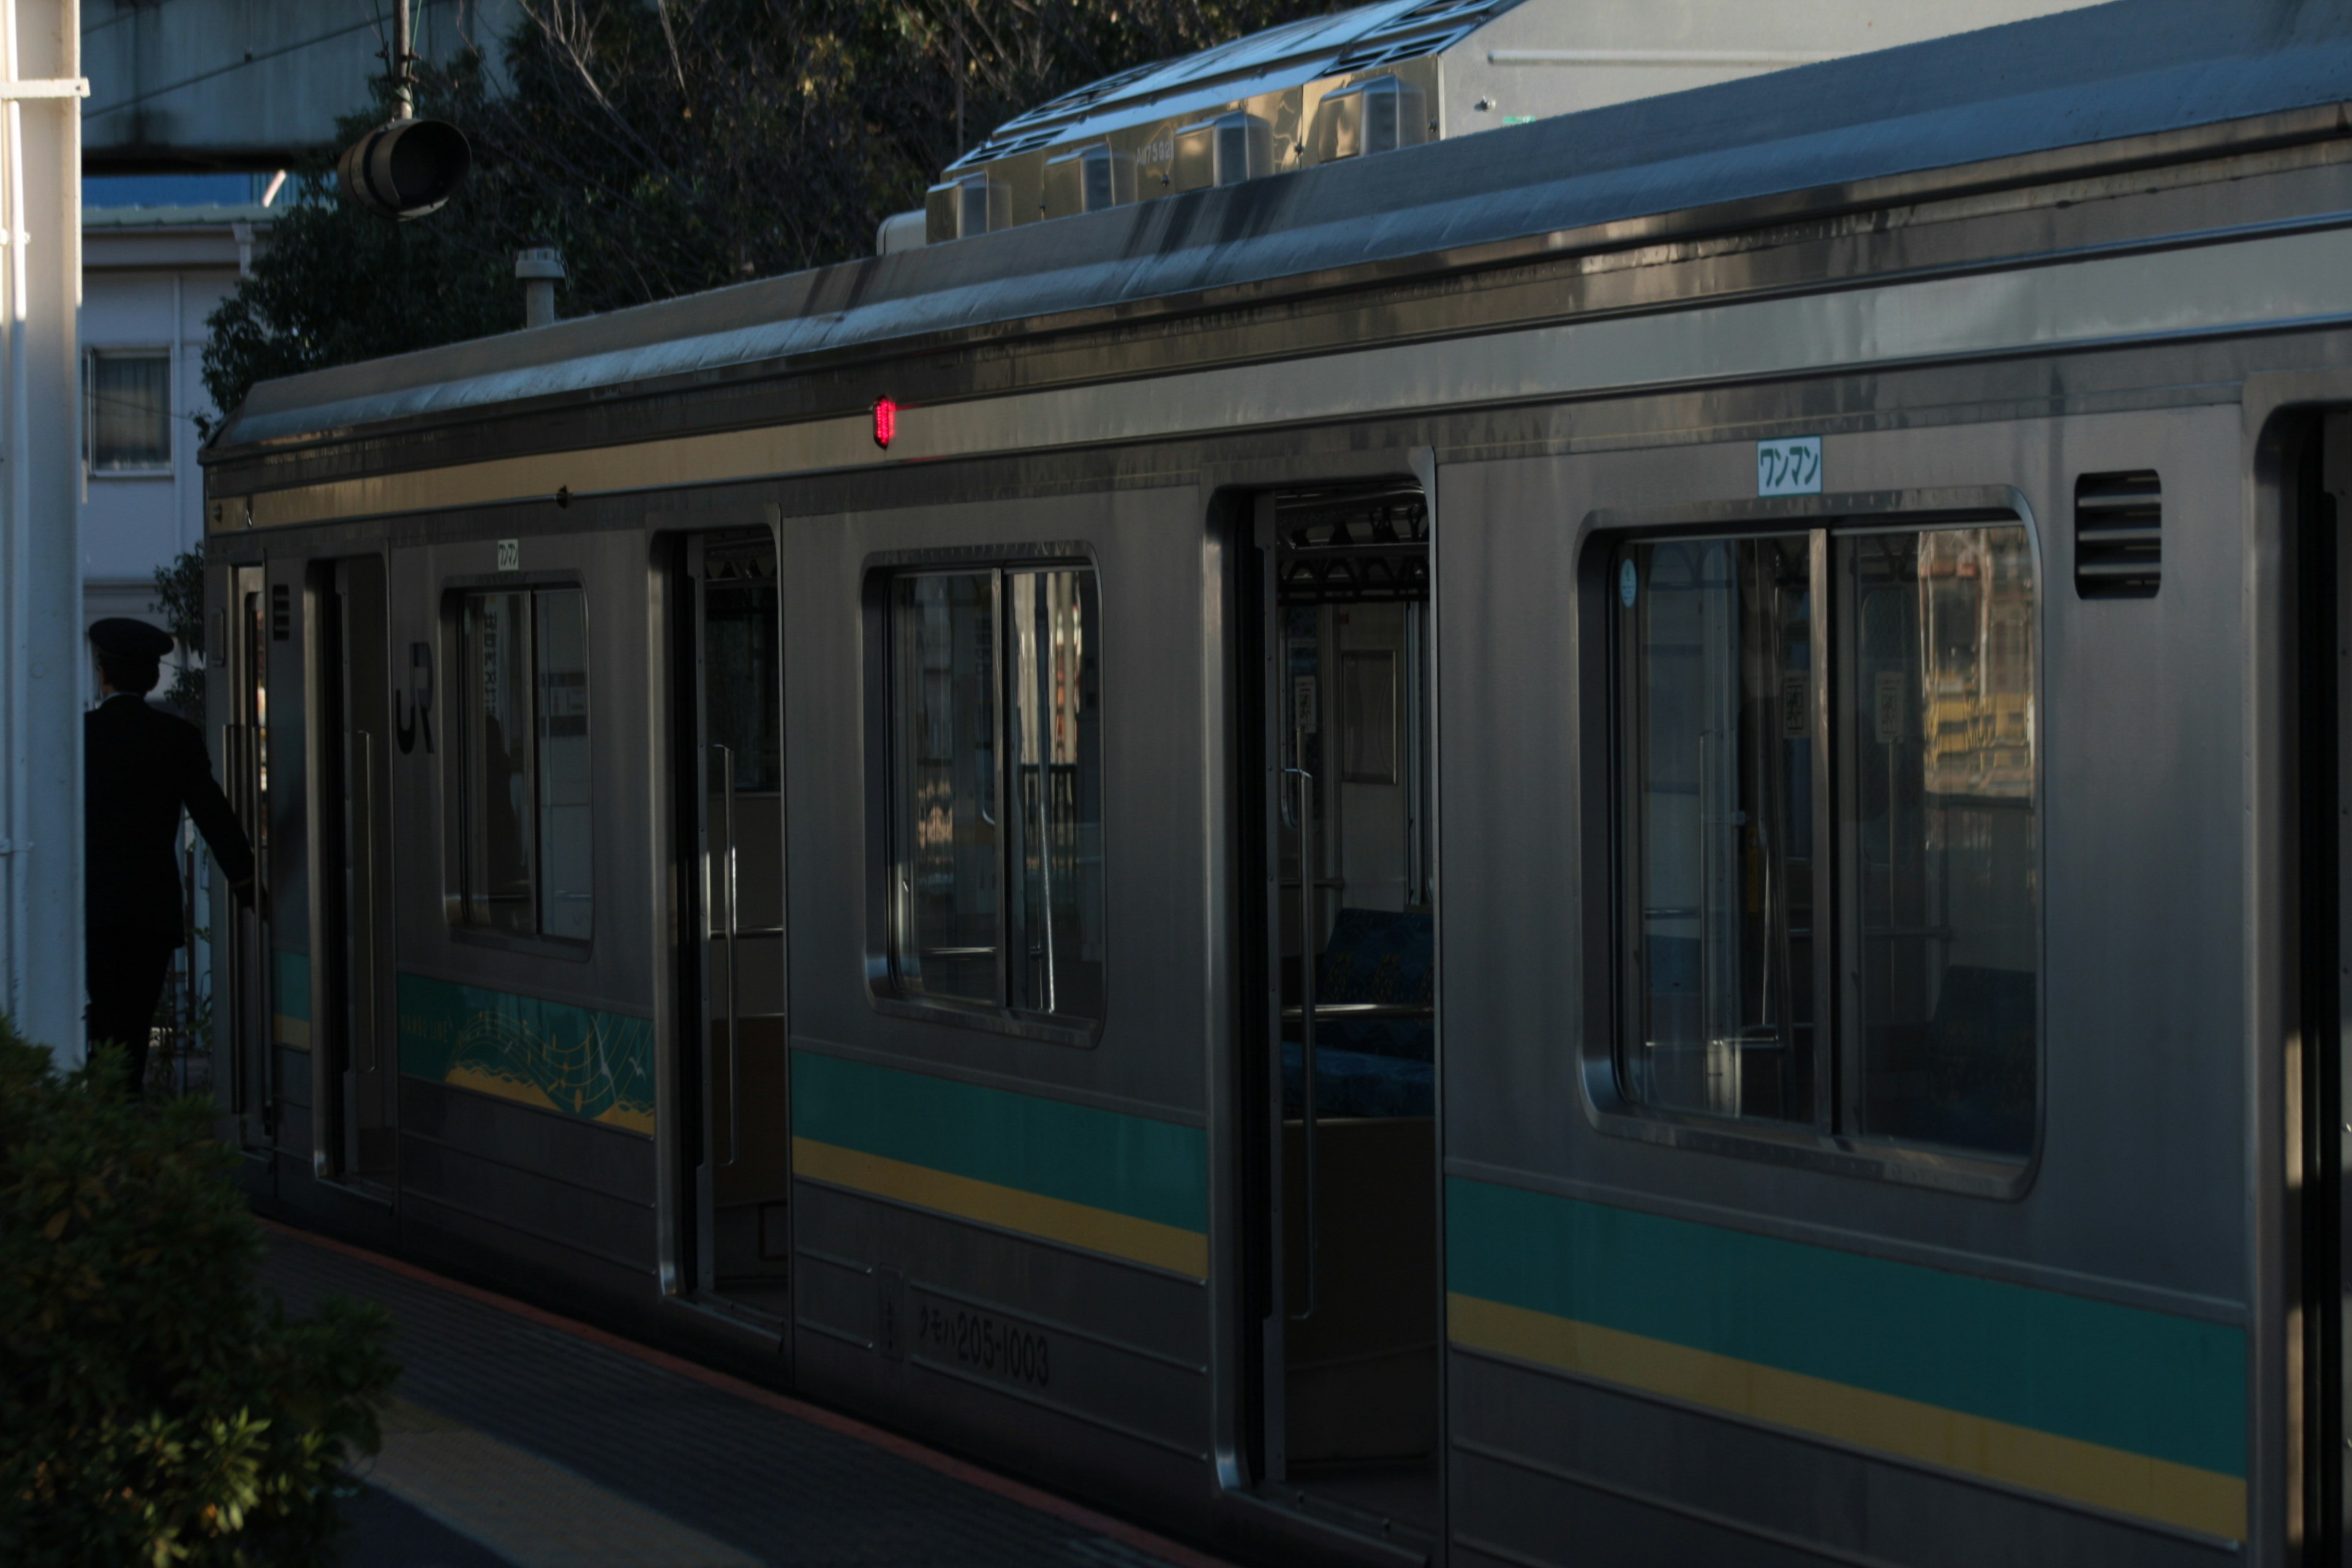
(1340, 1034)
(244, 1083)
(733, 1076)
(354, 1057)
(2316, 481)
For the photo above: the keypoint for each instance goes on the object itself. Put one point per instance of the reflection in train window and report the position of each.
(1923, 720)
(945, 738)
(1719, 735)
(1055, 756)
(996, 790)
(1936, 820)
(525, 854)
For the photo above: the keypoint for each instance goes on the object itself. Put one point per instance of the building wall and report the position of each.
(150, 278)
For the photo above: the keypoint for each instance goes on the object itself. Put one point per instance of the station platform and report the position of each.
(518, 1437)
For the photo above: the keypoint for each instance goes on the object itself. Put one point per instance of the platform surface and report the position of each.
(517, 1439)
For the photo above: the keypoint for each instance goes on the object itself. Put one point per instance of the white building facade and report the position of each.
(151, 277)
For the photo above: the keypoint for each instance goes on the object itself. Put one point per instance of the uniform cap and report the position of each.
(120, 637)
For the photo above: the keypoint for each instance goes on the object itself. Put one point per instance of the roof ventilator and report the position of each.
(1088, 179)
(1375, 115)
(972, 205)
(1222, 151)
(2118, 534)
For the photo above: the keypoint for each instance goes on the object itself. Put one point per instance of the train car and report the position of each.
(1612, 842)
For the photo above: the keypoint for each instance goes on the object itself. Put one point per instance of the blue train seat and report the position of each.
(1373, 1066)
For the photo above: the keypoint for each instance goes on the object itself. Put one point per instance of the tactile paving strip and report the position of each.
(783, 1490)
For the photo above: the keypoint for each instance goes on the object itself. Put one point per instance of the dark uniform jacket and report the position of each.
(140, 766)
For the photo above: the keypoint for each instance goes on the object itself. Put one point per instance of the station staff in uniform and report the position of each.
(140, 766)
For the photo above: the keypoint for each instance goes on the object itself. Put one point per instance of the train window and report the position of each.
(525, 847)
(1718, 733)
(1924, 899)
(1056, 823)
(945, 820)
(995, 804)
(1938, 816)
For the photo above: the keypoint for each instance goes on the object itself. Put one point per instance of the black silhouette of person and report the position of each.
(140, 766)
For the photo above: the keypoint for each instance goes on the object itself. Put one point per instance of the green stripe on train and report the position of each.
(293, 984)
(1132, 1165)
(289, 1006)
(2147, 1383)
(581, 1061)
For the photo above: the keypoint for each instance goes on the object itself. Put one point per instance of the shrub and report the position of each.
(155, 1406)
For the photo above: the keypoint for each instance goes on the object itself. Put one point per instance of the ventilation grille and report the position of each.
(1365, 57)
(1093, 92)
(1435, 13)
(990, 151)
(2119, 535)
(281, 612)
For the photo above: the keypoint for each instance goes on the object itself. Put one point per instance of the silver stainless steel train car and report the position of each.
(1614, 842)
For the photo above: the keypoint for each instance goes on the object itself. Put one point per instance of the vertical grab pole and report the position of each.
(1310, 863)
(734, 1027)
(369, 1016)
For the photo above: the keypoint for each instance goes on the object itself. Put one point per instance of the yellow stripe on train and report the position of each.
(1054, 1219)
(2159, 1490)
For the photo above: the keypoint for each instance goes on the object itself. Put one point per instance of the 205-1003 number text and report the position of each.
(988, 1343)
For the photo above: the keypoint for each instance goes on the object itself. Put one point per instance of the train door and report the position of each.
(355, 1074)
(2318, 496)
(244, 1081)
(1345, 1049)
(731, 785)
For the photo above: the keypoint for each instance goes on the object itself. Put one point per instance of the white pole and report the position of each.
(403, 90)
(45, 674)
(17, 850)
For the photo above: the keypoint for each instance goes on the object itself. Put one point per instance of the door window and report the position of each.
(525, 842)
(995, 789)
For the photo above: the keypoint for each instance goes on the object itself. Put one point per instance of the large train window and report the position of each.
(1832, 909)
(525, 856)
(995, 790)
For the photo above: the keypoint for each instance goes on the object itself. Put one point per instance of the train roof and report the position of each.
(1841, 134)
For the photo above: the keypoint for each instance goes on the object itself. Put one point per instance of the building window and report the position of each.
(525, 857)
(1831, 882)
(129, 414)
(995, 790)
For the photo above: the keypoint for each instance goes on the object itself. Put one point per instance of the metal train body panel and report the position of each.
(1071, 1243)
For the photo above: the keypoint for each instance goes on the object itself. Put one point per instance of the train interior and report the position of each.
(739, 1155)
(1351, 1395)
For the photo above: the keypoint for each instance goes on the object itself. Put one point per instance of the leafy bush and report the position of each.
(155, 1407)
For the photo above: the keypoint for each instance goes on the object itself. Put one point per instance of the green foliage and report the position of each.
(675, 146)
(180, 600)
(153, 1408)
